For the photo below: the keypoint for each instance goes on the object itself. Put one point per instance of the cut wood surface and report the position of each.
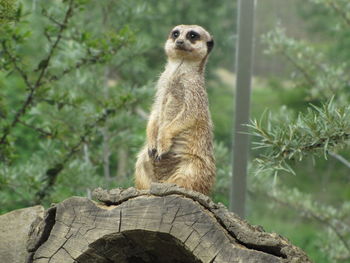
(14, 227)
(163, 224)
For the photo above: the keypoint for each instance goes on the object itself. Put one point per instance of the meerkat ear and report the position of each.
(210, 45)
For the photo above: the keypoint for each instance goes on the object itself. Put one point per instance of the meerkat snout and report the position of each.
(180, 43)
(189, 42)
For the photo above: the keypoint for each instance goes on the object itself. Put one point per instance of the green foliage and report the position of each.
(334, 27)
(44, 128)
(9, 11)
(320, 78)
(76, 84)
(320, 130)
(335, 232)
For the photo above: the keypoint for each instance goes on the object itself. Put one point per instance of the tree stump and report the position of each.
(14, 227)
(160, 225)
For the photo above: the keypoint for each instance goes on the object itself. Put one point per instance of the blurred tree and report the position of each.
(76, 81)
(330, 28)
(323, 129)
(52, 105)
(8, 11)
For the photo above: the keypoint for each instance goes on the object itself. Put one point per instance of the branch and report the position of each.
(53, 20)
(52, 173)
(58, 102)
(306, 74)
(43, 66)
(319, 129)
(39, 130)
(47, 35)
(83, 62)
(340, 159)
(321, 143)
(306, 60)
(143, 114)
(307, 213)
(21, 72)
(338, 9)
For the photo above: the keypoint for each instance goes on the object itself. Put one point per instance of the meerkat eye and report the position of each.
(192, 35)
(176, 33)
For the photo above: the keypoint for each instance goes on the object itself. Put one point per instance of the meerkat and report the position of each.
(179, 146)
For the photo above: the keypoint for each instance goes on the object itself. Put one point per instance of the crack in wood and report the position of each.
(213, 259)
(40, 232)
(58, 249)
(120, 220)
(208, 205)
(192, 231)
(68, 253)
(151, 220)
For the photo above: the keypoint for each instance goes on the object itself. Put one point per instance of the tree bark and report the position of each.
(163, 224)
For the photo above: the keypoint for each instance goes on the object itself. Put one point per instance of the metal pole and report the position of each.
(244, 61)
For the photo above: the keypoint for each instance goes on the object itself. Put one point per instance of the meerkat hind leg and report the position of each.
(143, 170)
(191, 175)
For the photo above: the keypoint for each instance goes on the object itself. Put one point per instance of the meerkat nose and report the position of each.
(179, 42)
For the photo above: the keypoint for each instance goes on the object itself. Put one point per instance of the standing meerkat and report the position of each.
(179, 147)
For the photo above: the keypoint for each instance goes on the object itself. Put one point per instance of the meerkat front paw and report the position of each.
(152, 148)
(152, 152)
(163, 146)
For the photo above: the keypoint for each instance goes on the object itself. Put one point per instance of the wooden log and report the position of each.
(14, 227)
(163, 224)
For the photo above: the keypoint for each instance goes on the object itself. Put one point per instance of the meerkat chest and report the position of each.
(172, 101)
(171, 91)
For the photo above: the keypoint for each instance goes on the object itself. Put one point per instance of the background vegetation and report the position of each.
(76, 84)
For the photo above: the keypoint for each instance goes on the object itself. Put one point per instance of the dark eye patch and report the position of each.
(175, 34)
(193, 36)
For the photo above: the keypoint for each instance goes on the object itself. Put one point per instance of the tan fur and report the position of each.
(179, 131)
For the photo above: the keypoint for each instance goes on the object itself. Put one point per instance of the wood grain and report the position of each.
(163, 224)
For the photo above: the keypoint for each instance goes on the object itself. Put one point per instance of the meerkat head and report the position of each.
(189, 42)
